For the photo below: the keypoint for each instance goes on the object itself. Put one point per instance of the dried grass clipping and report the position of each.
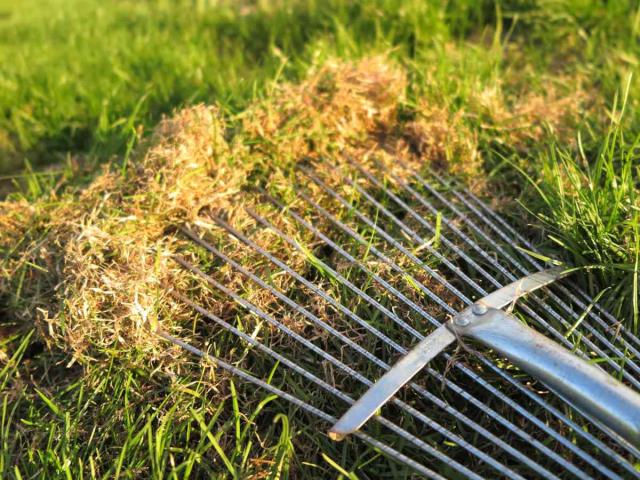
(94, 263)
(105, 258)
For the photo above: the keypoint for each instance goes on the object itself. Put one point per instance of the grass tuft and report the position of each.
(591, 211)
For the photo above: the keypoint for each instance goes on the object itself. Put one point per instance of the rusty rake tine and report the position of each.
(420, 390)
(386, 449)
(348, 370)
(505, 272)
(512, 260)
(483, 359)
(479, 380)
(309, 376)
(420, 240)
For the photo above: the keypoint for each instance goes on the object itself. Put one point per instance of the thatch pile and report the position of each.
(90, 268)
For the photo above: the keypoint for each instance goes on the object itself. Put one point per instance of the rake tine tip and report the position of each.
(345, 426)
(337, 436)
(350, 423)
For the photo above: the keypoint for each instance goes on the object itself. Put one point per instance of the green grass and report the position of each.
(82, 81)
(82, 77)
(166, 436)
(592, 214)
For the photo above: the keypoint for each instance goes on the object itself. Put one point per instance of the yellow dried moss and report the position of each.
(336, 107)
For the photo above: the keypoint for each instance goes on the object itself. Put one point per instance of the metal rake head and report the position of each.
(344, 273)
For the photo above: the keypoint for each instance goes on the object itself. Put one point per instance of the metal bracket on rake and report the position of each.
(587, 387)
(497, 426)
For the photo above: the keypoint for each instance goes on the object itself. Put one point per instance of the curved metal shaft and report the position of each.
(588, 388)
(408, 366)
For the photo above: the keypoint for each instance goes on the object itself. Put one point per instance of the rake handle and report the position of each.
(590, 389)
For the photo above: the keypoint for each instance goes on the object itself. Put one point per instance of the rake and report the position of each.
(394, 258)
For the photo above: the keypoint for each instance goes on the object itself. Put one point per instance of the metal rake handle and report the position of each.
(590, 389)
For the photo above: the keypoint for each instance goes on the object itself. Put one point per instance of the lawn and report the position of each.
(533, 104)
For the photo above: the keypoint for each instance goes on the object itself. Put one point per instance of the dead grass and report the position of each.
(522, 119)
(104, 251)
(95, 263)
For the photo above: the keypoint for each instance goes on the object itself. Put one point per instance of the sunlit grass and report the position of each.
(592, 212)
(84, 81)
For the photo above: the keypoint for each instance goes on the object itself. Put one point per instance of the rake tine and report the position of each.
(403, 298)
(513, 261)
(465, 218)
(516, 237)
(601, 446)
(431, 228)
(298, 308)
(615, 324)
(262, 347)
(443, 281)
(576, 428)
(489, 223)
(432, 296)
(476, 205)
(420, 240)
(387, 450)
(361, 266)
(471, 374)
(344, 310)
(485, 361)
(509, 275)
(473, 273)
(348, 370)
(397, 245)
(358, 291)
(421, 391)
(421, 417)
(524, 306)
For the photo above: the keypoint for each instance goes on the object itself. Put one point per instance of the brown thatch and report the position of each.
(94, 264)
